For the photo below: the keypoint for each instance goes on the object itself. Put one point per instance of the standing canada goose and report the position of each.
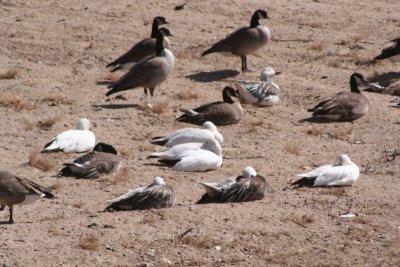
(190, 135)
(149, 72)
(157, 195)
(247, 187)
(344, 106)
(102, 160)
(244, 41)
(262, 93)
(344, 172)
(391, 51)
(79, 140)
(219, 113)
(209, 157)
(142, 49)
(15, 190)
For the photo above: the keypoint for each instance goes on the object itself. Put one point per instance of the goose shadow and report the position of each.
(316, 120)
(212, 76)
(104, 82)
(385, 79)
(115, 106)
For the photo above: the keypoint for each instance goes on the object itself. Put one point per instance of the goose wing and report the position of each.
(248, 189)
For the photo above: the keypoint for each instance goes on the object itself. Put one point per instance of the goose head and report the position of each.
(258, 14)
(344, 160)
(158, 181)
(249, 172)
(103, 147)
(228, 93)
(162, 32)
(213, 146)
(83, 124)
(157, 21)
(268, 72)
(356, 80)
(208, 125)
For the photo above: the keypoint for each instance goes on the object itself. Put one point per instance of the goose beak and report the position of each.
(278, 72)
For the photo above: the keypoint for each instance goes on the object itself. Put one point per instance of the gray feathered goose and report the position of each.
(391, 52)
(344, 106)
(142, 49)
(220, 113)
(247, 187)
(102, 160)
(244, 41)
(15, 190)
(157, 195)
(149, 72)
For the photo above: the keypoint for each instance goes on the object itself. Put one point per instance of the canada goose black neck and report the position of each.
(159, 43)
(227, 94)
(354, 83)
(106, 148)
(156, 23)
(256, 17)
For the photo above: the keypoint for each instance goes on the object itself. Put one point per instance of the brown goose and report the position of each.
(149, 72)
(15, 190)
(157, 195)
(102, 160)
(142, 49)
(244, 41)
(220, 113)
(344, 106)
(391, 52)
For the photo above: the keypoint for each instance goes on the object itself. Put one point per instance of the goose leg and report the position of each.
(2, 207)
(145, 91)
(152, 91)
(10, 221)
(244, 64)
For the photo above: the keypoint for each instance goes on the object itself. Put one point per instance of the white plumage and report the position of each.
(79, 140)
(175, 152)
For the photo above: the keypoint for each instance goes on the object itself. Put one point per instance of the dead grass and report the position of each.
(149, 219)
(43, 124)
(302, 220)
(322, 201)
(202, 240)
(8, 75)
(292, 148)
(333, 191)
(158, 107)
(57, 186)
(89, 242)
(316, 46)
(332, 132)
(57, 100)
(351, 40)
(120, 177)
(125, 153)
(111, 76)
(38, 161)
(188, 93)
(15, 102)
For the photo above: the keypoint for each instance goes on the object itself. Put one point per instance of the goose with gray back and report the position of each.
(244, 41)
(142, 49)
(149, 72)
(344, 106)
(220, 113)
(101, 161)
(391, 51)
(15, 190)
(82, 139)
(157, 195)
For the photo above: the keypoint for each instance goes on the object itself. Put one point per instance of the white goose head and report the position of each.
(83, 124)
(158, 181)
(249, 172)
(208, 125)
(268, 72)
(344, 160)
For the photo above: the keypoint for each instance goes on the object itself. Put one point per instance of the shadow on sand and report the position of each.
(212, 76)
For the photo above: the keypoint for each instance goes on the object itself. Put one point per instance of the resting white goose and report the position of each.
(198, 160)
(190, 135)
(157, 195)
(73, 141)
(175, 152)
(344, 172)
(262, 93)
(247, 187)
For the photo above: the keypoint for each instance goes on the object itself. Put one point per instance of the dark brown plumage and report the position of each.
(392, 52)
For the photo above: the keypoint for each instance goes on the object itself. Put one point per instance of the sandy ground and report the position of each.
(59, 50)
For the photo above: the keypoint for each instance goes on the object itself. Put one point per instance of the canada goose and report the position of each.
(209, 157)
(219, 113)
(15, 190)
(149, 72)
(391, 52)
(344, 106)
(102, 160)
(244, 41)
(261, 93)
(247, 187)
(142, 49)
(157, 195)
(344, 172)
(190, 135)
(79, 140)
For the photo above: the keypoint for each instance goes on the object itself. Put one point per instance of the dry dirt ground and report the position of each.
(57, 50)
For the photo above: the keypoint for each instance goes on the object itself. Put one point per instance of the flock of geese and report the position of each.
(150, 62)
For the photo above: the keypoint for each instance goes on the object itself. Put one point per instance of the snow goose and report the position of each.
(15, 190)
(244, 41)
(157, 195)
(220, 113)
(142, 49)
(391, 51)
(79, 140)
(175, 152)
(207, 158)
(190, 135)
(102, 160)
(149, 72)
(261, 93)
(247, 187)
(344, 106)
(344, 172)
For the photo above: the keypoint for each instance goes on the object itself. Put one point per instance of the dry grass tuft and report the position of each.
(188, 93)
(120, 177)
(316, 131)
(57, 100)
(149, 219)
(89, 242)
(333, 191)
(302, 220)
(338, 133)
(202, 241)
(15, 102)
(158, 107)
(57, 186)
(317, 46)
(111, 76)
(8, 75)
(125, 153)
(292, 148)
(38, 161)
(322, 201)
(330, 132)
(44, 124)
